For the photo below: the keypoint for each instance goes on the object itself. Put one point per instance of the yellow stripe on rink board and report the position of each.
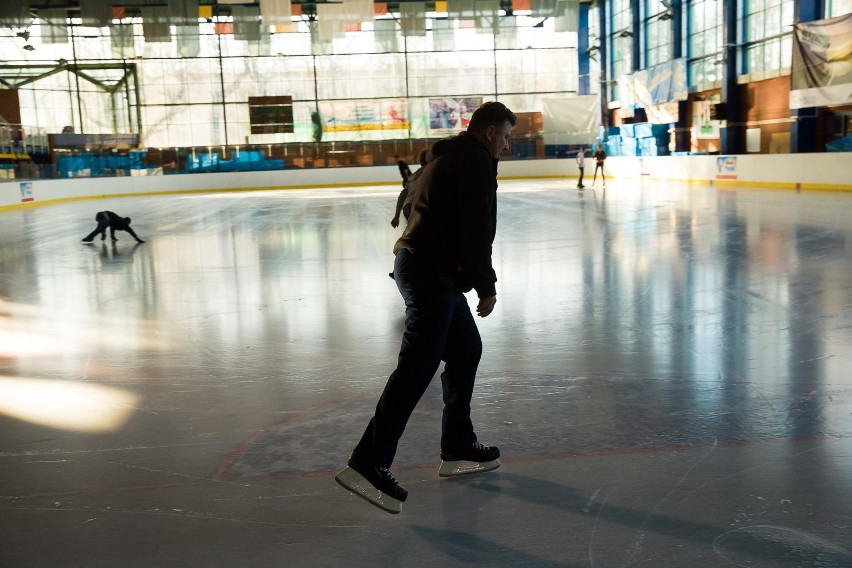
(732, 184)
(207, 190)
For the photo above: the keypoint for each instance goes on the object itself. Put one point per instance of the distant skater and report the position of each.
(115, 223)
(404, 170)
(444, 252)
(581, 156)
(403, 201)
(599, 157)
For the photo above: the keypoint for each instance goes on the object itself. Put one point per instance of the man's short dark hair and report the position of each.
(491, 113)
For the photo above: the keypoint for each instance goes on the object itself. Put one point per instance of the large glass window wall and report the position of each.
(203, 100)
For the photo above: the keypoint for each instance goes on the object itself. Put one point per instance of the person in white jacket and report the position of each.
(581, 156)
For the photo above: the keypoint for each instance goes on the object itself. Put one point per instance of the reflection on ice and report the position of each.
(66, 405)
(73, 329)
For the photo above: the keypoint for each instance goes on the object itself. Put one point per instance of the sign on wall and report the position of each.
(726, 167)
(358, 116)
(704, 126)
(451, 116)
(27, 192)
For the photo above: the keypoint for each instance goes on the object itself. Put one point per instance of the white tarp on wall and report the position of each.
(821, 70)
(571, 120)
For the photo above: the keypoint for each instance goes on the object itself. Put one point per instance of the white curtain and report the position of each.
(413, 19)
(567, 16)
(486, 16)
(332, 21)
(385, 33)
(444, 35)
(571, 120)
(273, 12)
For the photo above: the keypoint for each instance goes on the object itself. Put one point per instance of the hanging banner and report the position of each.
(659, 84)
(821, 71)
(356, 116)
(666, 113)
(450, 116)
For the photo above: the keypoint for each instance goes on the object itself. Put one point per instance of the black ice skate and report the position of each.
(473, 459)
(375, 484)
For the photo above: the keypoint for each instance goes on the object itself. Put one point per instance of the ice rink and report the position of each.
(668, 374)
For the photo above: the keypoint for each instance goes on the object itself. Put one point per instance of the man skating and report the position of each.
(444, 252)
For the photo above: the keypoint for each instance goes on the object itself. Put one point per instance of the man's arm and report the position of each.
(477, 224)
(138, 240)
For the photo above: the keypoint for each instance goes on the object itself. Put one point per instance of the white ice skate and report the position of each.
(473, 459)
(358, 484)
(460, 467)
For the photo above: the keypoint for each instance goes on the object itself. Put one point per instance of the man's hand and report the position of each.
(485, 306)
(395, 221)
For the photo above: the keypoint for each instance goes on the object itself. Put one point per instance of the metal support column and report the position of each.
(603, 42)
(732, 133)
(683, 140)
(583, 51)
(636, 48)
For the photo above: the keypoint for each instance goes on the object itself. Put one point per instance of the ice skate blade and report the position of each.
(454, 468)
(357, 484)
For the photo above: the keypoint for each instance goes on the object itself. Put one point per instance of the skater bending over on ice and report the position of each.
(114, 222)
(444, 252)
(403, 201)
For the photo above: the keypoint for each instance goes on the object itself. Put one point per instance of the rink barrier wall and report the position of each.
(824, 171)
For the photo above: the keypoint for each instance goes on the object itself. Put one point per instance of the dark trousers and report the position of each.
(595, 177)
(103, 223)
(438, 326)
(580, 181)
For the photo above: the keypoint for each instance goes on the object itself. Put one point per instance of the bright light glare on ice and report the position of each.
(64, 405)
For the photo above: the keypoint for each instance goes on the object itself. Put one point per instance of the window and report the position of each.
(834, 8)
(766, 30)
(621, 35)
(704, 42)
(203, 99)
(658, 33)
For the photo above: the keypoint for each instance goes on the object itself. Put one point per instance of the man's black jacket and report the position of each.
(453, 217)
